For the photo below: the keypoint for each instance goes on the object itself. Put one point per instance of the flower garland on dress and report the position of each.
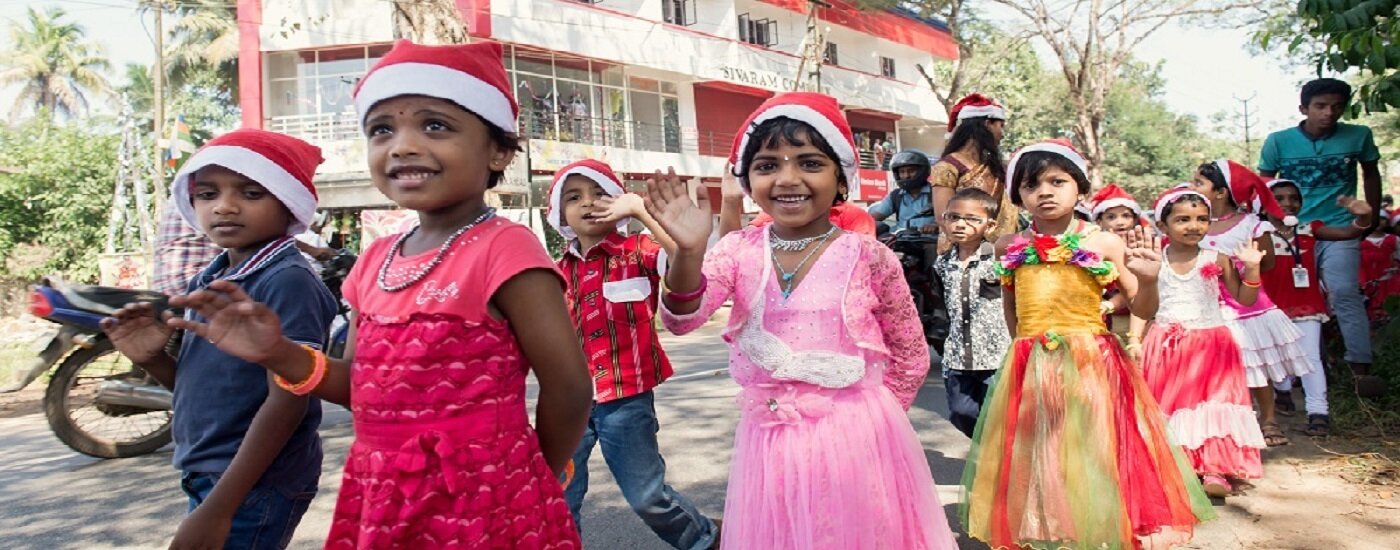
(1064, 249)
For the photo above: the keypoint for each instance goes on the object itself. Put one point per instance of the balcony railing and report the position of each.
(623, 134)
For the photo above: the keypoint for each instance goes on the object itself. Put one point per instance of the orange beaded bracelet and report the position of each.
(318, 373)
(568, 473)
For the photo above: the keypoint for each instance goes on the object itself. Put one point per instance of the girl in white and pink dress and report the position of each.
(825, 345)
(1269, 343)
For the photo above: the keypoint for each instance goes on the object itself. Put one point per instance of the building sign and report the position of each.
(768, 80)
(550, 156)
(873, 185)
(516, 179)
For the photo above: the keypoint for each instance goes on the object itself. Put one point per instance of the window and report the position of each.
(830, 56)
(678, 12)
(308, 91)
(763, 32)
(887, 67)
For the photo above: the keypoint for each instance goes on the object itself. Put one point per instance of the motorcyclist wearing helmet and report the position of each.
(910, 201)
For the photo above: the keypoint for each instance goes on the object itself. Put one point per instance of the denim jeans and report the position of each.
(1340, 264)
(266, 519)
(967, 389)
(626, 431)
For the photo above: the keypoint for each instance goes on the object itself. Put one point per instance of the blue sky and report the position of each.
(1205, 69)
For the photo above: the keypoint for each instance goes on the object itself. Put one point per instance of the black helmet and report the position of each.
(915, 158)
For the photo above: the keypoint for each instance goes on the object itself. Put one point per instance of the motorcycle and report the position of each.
(97, 402)
(914, 251)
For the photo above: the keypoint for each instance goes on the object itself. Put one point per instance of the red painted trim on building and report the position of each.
(890, 26)
(250, 82)
(477, 16)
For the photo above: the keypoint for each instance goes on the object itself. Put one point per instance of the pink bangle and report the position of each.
(691, 296)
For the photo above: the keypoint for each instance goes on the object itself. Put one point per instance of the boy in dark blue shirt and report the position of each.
(248, 450)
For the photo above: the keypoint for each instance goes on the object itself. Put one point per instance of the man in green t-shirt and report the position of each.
(1321, 154)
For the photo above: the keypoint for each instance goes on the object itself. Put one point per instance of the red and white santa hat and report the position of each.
(1247, 188)
(282, 164)
(819, 111)
(471, 75)
(1112, 196)
(1061, 147)
(974, 106)
(1180, 190)
(595, 170)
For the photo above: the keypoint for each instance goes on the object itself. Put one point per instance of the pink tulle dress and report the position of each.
(824, 454)
(1194, 368)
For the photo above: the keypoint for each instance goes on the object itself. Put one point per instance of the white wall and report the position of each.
(324, 23)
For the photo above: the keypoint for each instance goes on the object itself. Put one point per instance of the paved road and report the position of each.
(53, 498)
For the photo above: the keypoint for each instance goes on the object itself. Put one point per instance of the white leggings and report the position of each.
(1315, 382)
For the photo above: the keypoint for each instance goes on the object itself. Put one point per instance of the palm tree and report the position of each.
(57, 68)
(204, 35)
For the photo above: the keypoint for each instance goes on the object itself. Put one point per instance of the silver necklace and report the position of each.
(785, 245)
(423, 271)
(787, 277)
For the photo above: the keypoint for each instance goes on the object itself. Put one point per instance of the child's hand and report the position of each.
(1249, 253)
(202, 530)
(1144, 255)
(729, 187)
(612, 210)
(137, 334)
(1357, 208)
(669, 203)
(234, 322)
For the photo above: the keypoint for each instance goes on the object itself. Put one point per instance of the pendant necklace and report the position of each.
(787, 277)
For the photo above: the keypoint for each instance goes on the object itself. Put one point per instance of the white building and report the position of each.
(642, 84)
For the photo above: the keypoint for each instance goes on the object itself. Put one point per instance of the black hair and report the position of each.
(1285, 183)
(974, 194)
(1212, 172)
(790, 131)
(503, 140)
(988, 151)
(1033, 164)
(1324, 86)
(1192, 198)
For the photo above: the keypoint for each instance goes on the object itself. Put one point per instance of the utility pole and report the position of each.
(158, 117)
(1246, 114)
(813, 52)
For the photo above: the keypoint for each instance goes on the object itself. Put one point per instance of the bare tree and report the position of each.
(1092, 40)
(429, 21)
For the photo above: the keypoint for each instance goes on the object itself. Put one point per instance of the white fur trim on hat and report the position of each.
(556, 214)
(1103, 206)
(277, 180)
(1174, 194)
(431, 80)
(850, 163)
(1047, 147)
(989, 111)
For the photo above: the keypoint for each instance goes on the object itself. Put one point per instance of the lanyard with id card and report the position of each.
(1301, 279)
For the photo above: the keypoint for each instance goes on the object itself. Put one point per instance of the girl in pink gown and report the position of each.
(824, 341)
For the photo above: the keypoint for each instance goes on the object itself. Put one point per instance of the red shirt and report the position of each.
(1301, 250)
(844, 215)
(612, 294)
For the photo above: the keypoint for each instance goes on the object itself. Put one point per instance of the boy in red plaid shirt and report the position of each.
(613, 285)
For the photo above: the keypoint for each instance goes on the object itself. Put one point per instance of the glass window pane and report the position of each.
(538, 105)
(291, 98)
(612, 114)
(668, 88)
(572, 69)
(335, 93)
(646, 121)
(613, 76)
(289, 64)
(537, 63)
(341, 61)
(671, 124)
(644, 84)
(576, 111)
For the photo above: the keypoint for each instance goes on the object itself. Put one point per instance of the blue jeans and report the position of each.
(626, 430)
(1340, 264)
(266, 519)
(967, 389)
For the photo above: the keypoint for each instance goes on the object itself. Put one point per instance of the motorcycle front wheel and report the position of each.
(98, 429)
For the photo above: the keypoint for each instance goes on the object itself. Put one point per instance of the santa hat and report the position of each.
(1083, 208)
(1059, 147)
(973, 106)
(816, 110)
(471, 75)
(282, 164)
(1112, 196)
(600, 173)
(1180, 190)
(1246, 187)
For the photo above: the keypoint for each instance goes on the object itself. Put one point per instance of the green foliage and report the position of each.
(1360, 35)
(59, 199)
(209, 107)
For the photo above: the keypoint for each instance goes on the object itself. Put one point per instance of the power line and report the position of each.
(1246, 114)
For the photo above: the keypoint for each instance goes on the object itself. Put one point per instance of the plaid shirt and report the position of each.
(612, 297)
(181, 253)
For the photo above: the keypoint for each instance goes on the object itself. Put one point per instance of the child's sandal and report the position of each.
(1273, 436)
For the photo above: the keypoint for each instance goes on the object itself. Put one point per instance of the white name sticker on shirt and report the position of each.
(1300, 278)
(635, 289)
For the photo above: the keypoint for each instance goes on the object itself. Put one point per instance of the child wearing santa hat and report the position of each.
(589, 206)
(248, 450)
(825, 345)
(450, 317)
(1116, 211)
(1269, 342)
(1296, 289)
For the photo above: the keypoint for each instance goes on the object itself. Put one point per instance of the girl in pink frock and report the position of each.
(1190, 358)
(1269, 343)
(825, 344)
(444, 455)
